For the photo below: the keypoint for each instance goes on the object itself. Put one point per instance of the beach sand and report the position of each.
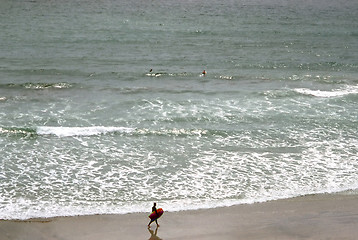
(326, 216)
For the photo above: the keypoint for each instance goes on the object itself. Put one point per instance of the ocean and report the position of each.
(87, 128)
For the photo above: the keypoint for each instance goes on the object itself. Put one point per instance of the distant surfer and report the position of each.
(152, 74)
(154, 209)
(203, 73)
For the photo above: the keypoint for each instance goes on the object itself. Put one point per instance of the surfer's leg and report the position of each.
(157, 223)
(150, 223)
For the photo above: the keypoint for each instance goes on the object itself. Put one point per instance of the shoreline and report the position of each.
(321, 216)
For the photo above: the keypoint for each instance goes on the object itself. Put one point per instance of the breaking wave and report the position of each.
(328, 94)
(98, 130)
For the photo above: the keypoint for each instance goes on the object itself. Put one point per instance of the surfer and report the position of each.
(154, 209)
(203, 73)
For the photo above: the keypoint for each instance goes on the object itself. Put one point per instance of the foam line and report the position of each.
(328, 94)
(80, 131)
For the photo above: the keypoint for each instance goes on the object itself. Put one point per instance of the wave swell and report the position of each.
(37, 86)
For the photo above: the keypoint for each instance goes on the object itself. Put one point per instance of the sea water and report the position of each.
(87, 128)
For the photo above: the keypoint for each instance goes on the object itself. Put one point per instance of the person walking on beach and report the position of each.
(154, 209)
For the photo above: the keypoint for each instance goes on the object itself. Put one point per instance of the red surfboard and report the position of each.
(154, 214)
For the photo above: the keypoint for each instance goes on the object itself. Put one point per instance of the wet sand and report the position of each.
(310, 217)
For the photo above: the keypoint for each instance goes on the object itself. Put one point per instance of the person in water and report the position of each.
(154, 209)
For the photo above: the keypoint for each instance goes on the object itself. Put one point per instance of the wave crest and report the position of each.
(328, 94)
(80, 131)
(38, 86)
(99, 130)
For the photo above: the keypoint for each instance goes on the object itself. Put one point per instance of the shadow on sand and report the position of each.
(153, 234)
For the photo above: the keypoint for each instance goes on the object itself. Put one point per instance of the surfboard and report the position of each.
(154, 214)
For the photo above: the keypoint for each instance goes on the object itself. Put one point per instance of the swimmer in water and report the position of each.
(203, 73)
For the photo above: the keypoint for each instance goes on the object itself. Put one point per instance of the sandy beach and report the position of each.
(323, 216)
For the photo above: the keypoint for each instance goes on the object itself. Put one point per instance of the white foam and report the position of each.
(98, 130)
(328, 94)
(80, 131)
(23, 209)
(126, 179)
